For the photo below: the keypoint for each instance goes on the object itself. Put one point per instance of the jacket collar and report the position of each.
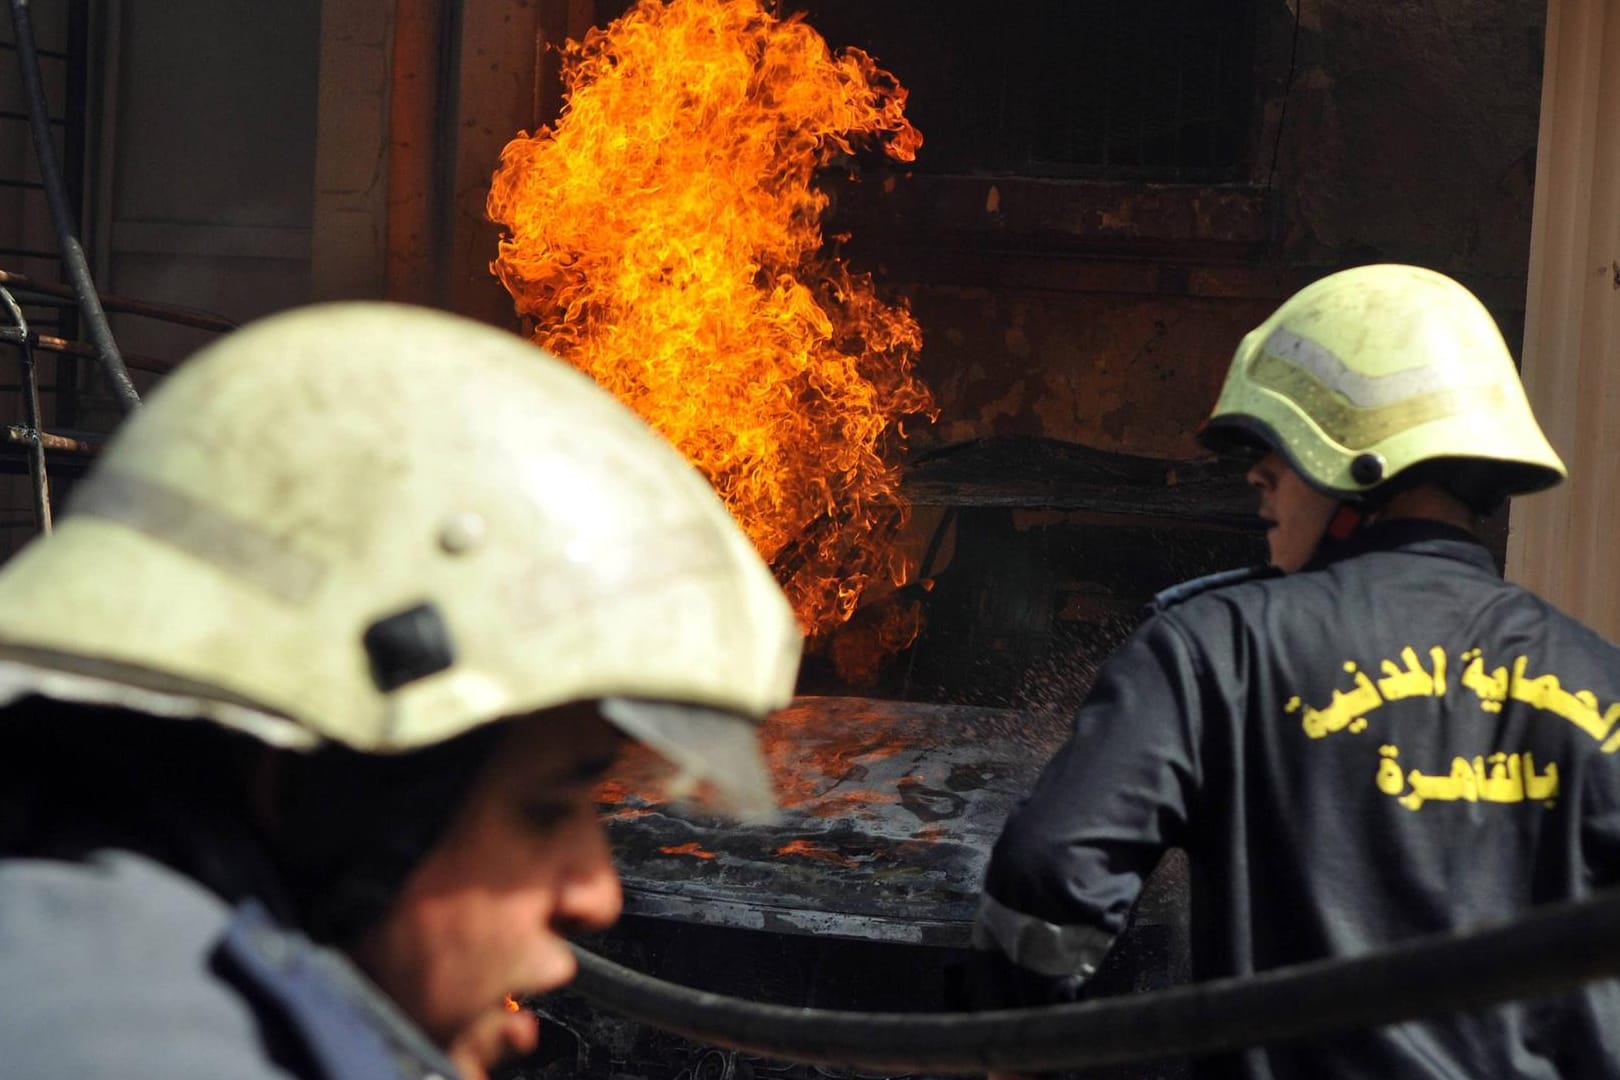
(1415, 536)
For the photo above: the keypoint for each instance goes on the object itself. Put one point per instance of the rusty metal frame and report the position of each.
(33, 432)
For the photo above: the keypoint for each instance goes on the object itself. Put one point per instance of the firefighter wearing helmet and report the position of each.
(304, 703)
(1373, 738)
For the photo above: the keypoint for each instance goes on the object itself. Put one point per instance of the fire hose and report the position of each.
(1551, 949)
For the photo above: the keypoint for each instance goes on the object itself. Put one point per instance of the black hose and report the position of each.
(1550, 949)
(74, 265)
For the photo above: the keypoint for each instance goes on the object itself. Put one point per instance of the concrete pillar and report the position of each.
(1562, 544)
(349, 252)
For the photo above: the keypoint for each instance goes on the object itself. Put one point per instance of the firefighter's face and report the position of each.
(487, 913)
(1296, 513)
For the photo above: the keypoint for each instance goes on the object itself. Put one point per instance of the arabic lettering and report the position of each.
(1544, 692)
(1390, 780)
(1509, 778)
(1491, 688)
(1348, 708)
(1579, 708)
(1413, 681)
(1543, 788)
(1506, 780)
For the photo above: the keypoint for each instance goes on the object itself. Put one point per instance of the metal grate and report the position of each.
(1152, 90)
(1141, 87)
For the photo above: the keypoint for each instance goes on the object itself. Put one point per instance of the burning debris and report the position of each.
(809, 849)
(665, 238)
(693, 849)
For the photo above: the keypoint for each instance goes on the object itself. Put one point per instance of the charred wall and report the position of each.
(1088, 299)
(1072, 281)
(1093, 293)
(1411, 134)
(1109, 194)
(1091, 287)
(1103, 308)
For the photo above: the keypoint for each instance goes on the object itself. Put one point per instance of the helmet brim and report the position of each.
(705, 744)
(74, 680)
(1230, 434)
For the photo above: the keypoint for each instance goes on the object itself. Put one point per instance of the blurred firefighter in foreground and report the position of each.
(305, 700)
(1372, 739)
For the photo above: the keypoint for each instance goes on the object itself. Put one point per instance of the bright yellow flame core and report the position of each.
(665, 238)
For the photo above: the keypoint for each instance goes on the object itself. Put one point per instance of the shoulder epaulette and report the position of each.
(1180, 594)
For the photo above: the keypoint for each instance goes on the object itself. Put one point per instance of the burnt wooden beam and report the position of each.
(1046, 474)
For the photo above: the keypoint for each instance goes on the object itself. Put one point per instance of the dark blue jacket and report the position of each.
(1394, 742)
(114, 964)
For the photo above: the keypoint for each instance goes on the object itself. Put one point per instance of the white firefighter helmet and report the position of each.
(384, 526)
(1373, 370)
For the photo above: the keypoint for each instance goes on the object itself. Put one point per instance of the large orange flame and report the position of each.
(665, 237)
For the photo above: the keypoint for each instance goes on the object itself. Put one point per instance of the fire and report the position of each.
(511, 1004)
(809, 849)
(879, 632)
(692, 848)
(665, 238)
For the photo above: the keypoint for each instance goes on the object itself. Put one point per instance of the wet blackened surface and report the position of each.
(860, 896)
(889, 812)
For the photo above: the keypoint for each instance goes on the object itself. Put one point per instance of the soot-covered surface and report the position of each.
(889, 810)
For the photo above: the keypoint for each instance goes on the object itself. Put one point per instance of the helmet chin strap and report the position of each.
(1346, 521)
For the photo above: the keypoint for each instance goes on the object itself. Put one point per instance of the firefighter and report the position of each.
(1373, 738)
(305, 701)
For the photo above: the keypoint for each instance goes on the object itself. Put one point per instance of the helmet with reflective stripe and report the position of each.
(1371, 371)
(384, 526)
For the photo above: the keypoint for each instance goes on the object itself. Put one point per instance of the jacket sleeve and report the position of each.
(1072, 859)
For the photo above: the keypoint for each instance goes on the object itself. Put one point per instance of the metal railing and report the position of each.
(77, 295)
